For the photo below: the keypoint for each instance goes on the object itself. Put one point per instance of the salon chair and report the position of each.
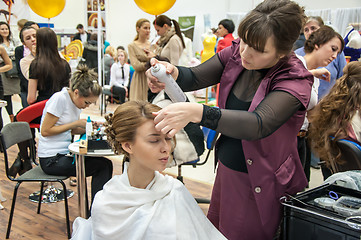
(210, 137)
(12, 134)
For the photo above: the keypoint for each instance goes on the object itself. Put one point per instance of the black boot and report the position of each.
(15, 168)
(26, 166)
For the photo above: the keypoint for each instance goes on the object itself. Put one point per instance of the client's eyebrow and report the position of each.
(154, 134)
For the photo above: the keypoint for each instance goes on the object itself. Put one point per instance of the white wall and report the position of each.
(123, 14)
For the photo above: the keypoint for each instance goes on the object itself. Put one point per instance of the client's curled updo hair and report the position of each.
(123, 124)
(86, 81)
(333, 115)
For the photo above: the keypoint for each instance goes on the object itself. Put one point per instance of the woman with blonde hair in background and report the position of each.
(119, 77)
(139, 59)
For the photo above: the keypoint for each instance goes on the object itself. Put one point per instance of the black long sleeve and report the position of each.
(207, 74)
(19, 54)
(269, 115)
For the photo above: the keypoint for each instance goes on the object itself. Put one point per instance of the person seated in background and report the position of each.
(321, 47)
(61, 120)
(142, 203)
(190, 140)
(119, 77)
(82, 35)
(338, 116)
(90, 53)
(109, 59)
(225, 30)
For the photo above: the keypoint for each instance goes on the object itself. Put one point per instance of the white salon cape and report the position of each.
(164, 210)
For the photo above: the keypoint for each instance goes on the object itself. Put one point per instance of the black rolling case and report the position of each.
(305, 219)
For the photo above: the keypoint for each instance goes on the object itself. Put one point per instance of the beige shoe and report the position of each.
(72, 181)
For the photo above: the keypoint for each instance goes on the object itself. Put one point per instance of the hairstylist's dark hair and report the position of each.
(280, 19)
(163, 19)
(79, 26)
(333, 115)
(47, 63)
(21, 34)
(227, 24)
(323, 35)
(9, 37)
(86, 81)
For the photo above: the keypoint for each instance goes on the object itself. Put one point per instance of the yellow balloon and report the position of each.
(155, 7)
(47, 8)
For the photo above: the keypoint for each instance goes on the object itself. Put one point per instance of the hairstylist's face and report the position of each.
(310, 27)
(4, 30)
(161, 30)
(327, 52)
(29, 37)
(253, 59)
(222, 31)
(150, 149)
(144, 30)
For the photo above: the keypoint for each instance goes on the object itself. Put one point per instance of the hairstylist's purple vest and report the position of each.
(275, 167)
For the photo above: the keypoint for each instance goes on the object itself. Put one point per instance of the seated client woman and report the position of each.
(338, 116)
(142, 203)
(60, 120)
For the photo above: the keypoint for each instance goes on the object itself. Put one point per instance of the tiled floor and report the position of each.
(204, 173)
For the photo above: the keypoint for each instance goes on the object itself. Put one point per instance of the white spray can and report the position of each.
(88, 128)
(172, 89)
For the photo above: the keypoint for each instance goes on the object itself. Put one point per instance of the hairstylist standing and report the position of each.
(264, 93)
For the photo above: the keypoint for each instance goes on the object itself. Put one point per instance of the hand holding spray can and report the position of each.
(172, 89)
